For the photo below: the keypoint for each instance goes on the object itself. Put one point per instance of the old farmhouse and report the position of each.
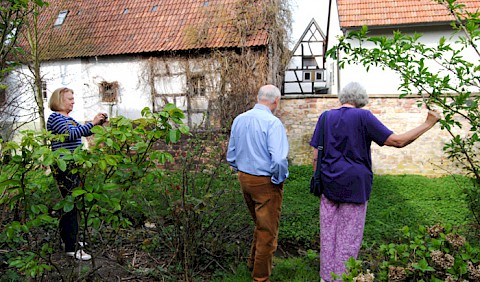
(122, 56)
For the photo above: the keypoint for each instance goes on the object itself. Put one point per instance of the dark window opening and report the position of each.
(196, 85)
(109, 92)
(44, 89)
(154, 8)
(3, 96)
(307, 76)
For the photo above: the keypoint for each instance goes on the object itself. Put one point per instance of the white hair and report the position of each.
(268, 93)
(353, 93)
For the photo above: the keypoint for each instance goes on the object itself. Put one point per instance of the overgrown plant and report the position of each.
(431, 253)
(225, 80)
(242, 72)
(204, 226)
(122, 156)
(441, 74)
(25, 219)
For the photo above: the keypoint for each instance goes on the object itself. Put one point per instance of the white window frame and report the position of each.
(61, 18)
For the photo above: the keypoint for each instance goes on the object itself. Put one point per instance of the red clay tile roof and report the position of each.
(357, 13)
(111, 27)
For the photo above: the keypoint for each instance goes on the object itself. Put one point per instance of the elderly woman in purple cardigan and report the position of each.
(346, 173)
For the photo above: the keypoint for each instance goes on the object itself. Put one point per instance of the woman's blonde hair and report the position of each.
(56, 101)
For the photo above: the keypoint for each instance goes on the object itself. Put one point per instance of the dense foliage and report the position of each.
(182, 211)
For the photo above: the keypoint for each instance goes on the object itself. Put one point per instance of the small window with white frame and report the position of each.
(319, 75)
(109, 92)
(61, 18)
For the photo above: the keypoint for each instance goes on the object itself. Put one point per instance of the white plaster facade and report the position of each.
(385, 81)
(134, 77)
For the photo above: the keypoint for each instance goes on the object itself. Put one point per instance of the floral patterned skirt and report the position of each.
(341, 233)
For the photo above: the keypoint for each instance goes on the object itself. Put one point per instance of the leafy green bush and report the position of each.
(434, 253)
(120, 157)
(200, 220)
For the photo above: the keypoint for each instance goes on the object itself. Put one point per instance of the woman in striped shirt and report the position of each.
(60, 122)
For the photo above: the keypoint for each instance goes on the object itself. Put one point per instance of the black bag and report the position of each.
(316, 184)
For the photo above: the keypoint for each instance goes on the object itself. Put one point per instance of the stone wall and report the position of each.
(424, 156)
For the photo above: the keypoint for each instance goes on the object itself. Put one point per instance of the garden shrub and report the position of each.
(431, 253)
(197, 209)
(120, 158)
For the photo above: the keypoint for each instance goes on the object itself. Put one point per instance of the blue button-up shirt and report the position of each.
(258, 144)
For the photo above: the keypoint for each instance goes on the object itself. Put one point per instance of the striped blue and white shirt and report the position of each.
(60, 124)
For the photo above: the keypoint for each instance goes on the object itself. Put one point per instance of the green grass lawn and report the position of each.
(412, 200)
(396, 201)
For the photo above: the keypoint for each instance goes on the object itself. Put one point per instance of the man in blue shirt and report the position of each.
(258, 150)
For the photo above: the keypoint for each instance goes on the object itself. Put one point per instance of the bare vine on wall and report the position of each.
(229, 77)
(241, 71)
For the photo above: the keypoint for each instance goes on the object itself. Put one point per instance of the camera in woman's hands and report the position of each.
(104, 119)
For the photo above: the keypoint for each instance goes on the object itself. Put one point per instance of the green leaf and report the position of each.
(78, 192)
(184, 129)
(62, 165)
(111, 160)
(423, 266)
(169, 107)
(110, 186)
(68, 206)
(102, 164)
(35, 209)
(89, 197)
(97, 130)
(174, 135)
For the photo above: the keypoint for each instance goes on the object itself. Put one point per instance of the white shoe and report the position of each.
(80, 255)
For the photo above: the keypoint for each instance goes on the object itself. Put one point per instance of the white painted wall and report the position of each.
(133, 75)
(378, 81)
(83, 76)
